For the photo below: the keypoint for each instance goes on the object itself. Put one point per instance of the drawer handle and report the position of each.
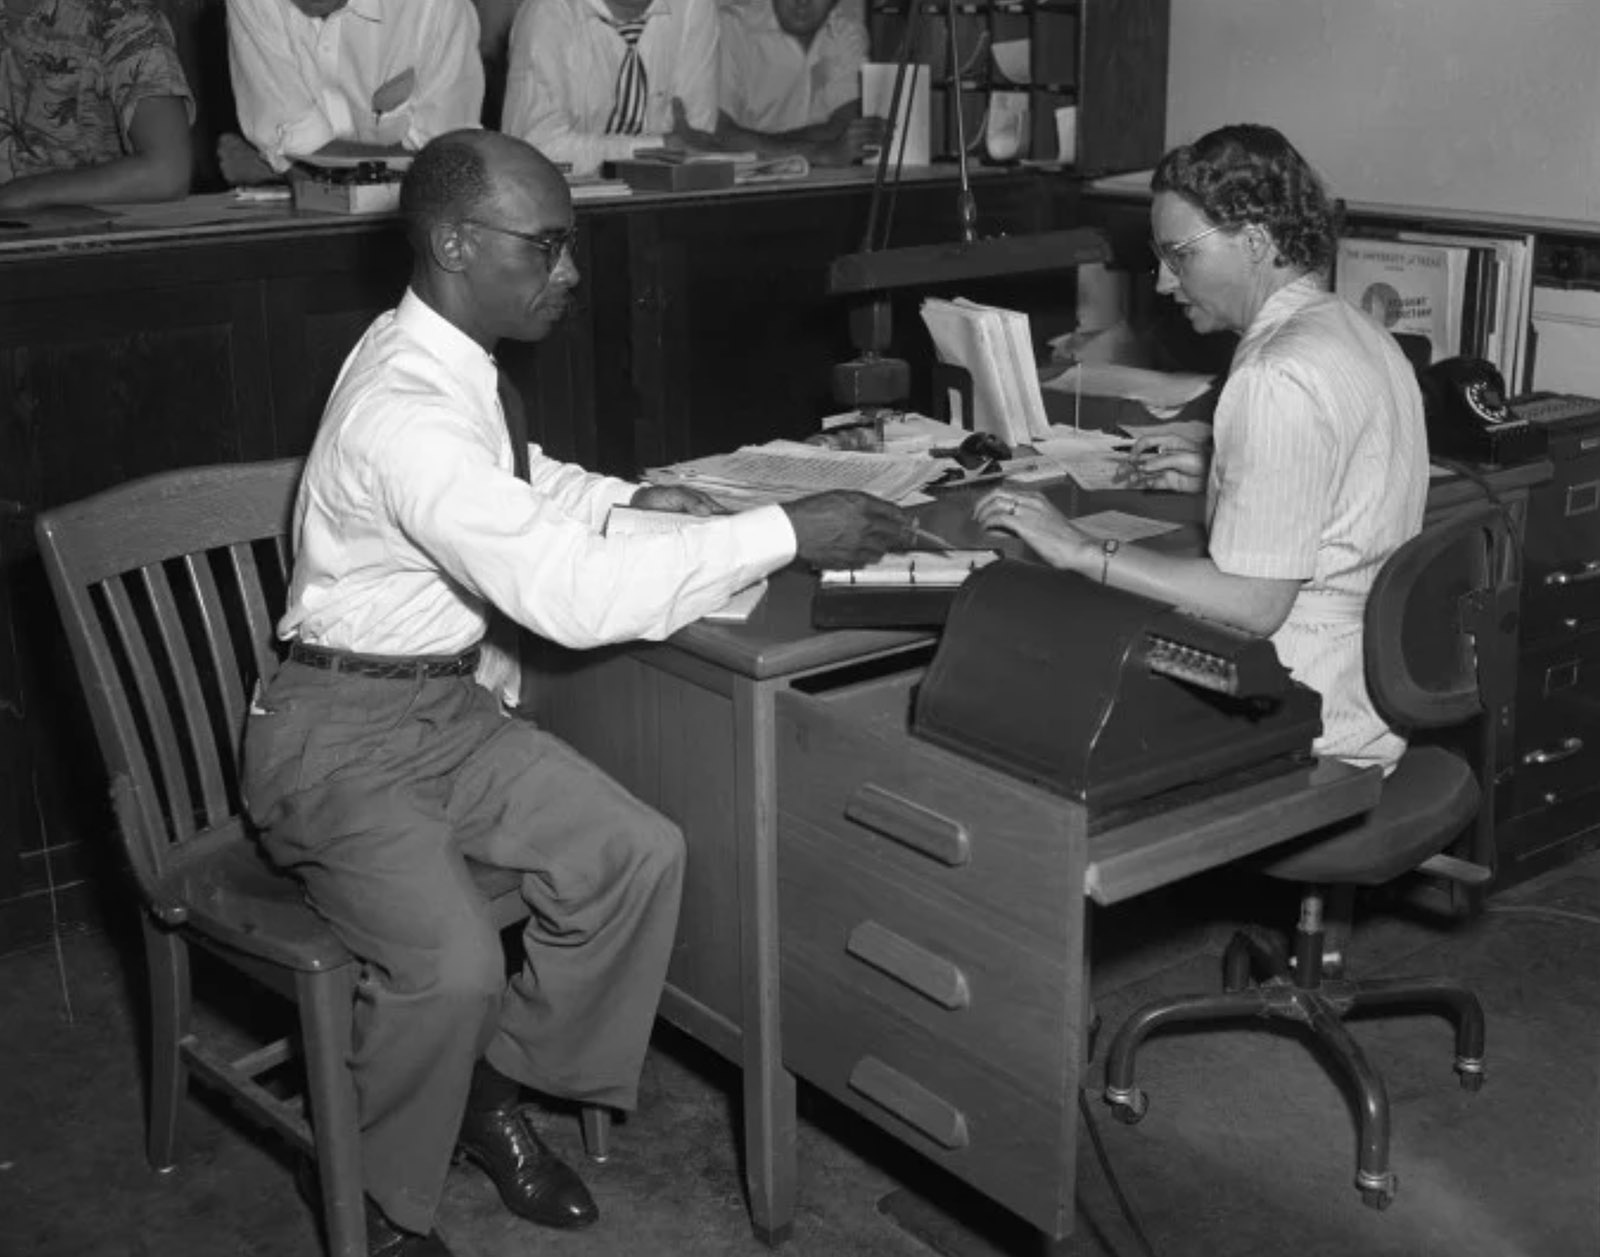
(911, 1102)
(1568, 748)
(1589, 571)
(910, 824)
(930, 976)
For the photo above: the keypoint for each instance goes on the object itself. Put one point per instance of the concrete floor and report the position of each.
(1247, 1150)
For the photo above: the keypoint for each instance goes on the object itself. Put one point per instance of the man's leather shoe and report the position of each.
(534, 1182)
(385, 1239)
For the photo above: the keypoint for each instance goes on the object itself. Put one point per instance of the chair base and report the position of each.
(1299, 993)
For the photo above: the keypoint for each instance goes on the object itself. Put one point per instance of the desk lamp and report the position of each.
(873, 382)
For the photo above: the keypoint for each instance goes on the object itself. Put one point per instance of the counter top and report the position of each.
(75, 230)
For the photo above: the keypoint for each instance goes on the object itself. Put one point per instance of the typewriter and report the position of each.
(1103, 696)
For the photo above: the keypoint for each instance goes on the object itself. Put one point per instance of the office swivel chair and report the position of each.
(169, 588)
(1433, 659)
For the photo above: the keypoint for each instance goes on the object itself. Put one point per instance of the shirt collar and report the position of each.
(371, 10)
(1282, 305)
(662, 8)
(459, 353)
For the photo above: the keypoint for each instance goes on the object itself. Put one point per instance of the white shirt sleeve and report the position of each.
(533, 550)
(548, 55)
(1273, 467)
(842, 69)
(449, 91)
(279, 112)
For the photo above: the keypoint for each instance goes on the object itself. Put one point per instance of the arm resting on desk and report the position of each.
(156, 170)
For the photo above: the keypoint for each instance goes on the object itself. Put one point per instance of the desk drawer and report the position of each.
(1016, 1145)
(973, 841)
(991, 993)
(1558, 723)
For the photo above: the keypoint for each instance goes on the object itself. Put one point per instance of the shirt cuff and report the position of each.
(771, 532)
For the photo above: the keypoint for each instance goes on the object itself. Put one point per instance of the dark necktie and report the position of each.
(516, 423)
(627, 114)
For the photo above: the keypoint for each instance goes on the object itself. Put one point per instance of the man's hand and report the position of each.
(843, 528)
(684, 138)
(676, 498)
(860, 134)
(241, 164)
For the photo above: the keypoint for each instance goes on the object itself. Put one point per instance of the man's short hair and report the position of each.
(449, 180)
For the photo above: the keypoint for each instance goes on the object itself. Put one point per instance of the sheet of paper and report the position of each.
(1195, 430)
(740, 607)
(1121, 526)
(783, 470)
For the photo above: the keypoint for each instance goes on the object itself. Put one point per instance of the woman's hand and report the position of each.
(1172, 464)
(1031, 517)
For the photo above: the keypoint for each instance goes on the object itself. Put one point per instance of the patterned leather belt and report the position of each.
(385, 667)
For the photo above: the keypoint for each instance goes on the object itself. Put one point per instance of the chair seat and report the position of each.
(228, 890)
(1426, 802)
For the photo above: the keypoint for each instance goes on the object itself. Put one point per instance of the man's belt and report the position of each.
(385, 667)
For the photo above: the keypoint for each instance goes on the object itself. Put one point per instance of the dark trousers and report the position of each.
(373, 791)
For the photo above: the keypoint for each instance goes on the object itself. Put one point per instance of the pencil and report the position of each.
(932, 538)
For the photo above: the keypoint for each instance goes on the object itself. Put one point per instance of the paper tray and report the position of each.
(661, 176)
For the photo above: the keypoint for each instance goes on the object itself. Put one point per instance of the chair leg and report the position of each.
(1373, 1178)
(326, 1003)
(1250, 954)
(1127, 1101)
(596, 1120)
(167, 957)
(1445, 994)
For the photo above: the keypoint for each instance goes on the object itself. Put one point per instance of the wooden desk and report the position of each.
(894, 923)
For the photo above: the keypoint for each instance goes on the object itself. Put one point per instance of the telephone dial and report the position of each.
(1464, 400)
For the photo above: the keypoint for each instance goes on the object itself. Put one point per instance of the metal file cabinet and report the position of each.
(1554, 800)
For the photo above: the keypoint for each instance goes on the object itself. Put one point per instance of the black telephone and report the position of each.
(1464, 400)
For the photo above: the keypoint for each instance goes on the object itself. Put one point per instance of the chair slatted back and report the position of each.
(169, 588)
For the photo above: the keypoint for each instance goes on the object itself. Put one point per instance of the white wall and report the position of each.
(1490, 105)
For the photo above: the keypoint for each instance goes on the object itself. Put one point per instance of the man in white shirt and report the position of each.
(375, 764)
(790, 80)
(347, 78)
(591, 81)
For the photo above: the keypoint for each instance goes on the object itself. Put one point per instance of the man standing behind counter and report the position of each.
(347, 78)
(94, 106)
(592, 81)
(791, 80)
(375, 763)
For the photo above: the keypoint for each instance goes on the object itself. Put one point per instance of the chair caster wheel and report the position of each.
(1380, 1198)
(1128, 1107)
(1471, 1074)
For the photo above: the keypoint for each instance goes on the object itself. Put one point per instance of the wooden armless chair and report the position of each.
(1433, 660)
(170, 588)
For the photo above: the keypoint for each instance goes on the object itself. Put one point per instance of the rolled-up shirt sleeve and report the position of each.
(534, 550)
(279, 112)
(1272, 476)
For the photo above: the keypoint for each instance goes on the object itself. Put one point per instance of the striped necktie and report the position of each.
(627, 115)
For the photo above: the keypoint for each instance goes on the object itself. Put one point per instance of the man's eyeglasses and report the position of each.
(551, 243)
(1173, 256)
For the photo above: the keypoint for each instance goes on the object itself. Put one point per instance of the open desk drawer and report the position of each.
(931, 927)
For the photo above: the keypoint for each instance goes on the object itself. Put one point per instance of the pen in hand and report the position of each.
(932, 539)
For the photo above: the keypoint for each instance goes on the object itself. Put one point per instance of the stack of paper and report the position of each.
(944, 570)
(781, 471)
(995, 347)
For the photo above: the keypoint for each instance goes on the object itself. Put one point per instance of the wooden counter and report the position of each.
(166, 336)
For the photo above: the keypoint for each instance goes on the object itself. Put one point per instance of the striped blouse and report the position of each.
(1319, 472)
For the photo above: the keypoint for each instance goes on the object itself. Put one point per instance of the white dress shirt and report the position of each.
(1319, 473)
(561, 80)
(772, 83)
(410, 522)
(301, 82)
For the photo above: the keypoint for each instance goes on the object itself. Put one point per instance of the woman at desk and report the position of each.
(1318, 467)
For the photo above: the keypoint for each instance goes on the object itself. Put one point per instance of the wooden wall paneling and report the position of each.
(1122, 84)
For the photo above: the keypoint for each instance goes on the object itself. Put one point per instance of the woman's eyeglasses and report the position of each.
(551, 243)
(1175, 256)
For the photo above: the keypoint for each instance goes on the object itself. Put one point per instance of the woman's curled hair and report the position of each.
(1247, 173)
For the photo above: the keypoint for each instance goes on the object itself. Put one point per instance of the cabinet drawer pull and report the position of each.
(910, 824)
(911, 1102)
(1568, 748)
(1589, 571)
(930, 976)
